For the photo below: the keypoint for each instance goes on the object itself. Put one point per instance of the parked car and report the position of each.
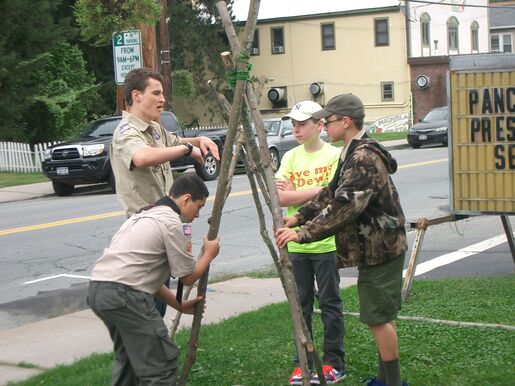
(280, 139)
(85, 160)
(433, 128)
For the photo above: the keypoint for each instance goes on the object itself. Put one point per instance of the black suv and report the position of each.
(86, 159)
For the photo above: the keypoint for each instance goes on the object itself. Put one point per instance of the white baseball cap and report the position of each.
(303, 111)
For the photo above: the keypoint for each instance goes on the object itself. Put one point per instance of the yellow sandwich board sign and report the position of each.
(481, 92)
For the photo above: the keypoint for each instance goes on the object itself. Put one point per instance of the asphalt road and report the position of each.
(45, 267)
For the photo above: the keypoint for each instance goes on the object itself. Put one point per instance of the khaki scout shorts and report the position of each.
(379, 290)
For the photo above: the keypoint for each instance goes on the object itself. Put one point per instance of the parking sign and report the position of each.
(126, 53)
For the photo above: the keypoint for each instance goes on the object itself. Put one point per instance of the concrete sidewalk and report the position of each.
(26, 192)
(67, 338)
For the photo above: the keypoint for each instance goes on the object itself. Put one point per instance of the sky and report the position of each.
(280, 8)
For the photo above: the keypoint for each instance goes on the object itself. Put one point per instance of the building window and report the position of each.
(474, 35)
(254, 50)
(278, 40)
(387, 91)
(425, 20)
(452, 34)
(506, 43)
(494, 43)
(501, 43)
(328, 36)
(381, 32)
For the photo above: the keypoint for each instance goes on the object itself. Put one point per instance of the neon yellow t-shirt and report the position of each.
(309, 170)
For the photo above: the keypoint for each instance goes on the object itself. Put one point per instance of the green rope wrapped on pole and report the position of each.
(235, 74)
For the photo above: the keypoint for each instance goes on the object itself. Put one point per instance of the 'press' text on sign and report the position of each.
(493, 120)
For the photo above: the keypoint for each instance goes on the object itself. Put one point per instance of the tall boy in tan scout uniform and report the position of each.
(142, 149)
(149, 246)
(361, 207)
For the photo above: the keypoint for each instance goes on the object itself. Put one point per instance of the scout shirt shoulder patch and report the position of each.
(187, 231)
(124, 128)
(157, 136)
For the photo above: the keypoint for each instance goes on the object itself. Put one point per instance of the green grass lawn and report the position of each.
(381, 137)
(13, 179)
(256, 348)
(389, 136)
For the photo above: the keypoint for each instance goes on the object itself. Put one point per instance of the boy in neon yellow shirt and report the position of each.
(304, 171)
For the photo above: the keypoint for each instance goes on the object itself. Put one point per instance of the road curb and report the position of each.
(399, 146)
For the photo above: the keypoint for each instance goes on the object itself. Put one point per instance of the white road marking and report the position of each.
(420, 270)
(458, 255)
(57, 276)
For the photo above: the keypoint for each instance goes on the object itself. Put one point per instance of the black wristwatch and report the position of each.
(190, 148)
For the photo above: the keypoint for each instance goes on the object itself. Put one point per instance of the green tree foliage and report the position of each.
(99, 19)
(47, 72)
(183, 84)
(37, 67)
(196, 37)
(196, 40)
(63, 103)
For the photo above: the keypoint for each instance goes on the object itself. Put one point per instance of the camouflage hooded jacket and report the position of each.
(360, 206)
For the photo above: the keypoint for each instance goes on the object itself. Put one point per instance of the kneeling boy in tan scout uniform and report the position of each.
(149, 247)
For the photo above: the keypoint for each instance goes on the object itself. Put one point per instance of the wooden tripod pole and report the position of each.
(220, 198)
(302, 339)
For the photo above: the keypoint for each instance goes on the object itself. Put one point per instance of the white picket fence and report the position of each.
(19, 157)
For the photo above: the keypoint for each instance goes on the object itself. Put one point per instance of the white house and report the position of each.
(451, 27)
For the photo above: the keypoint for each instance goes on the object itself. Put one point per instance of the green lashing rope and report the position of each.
(234, 74)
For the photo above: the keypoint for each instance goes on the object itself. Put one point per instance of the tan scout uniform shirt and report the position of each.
(147, 248)
(138, 187)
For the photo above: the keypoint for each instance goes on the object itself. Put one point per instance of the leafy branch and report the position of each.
(100, 19)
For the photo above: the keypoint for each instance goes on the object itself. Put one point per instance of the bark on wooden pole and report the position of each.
(225, 108)
(219, 202)
(149, 46)
(254, 175)
(214, 225)
(302, 338)
(120, 101)
(166, 65)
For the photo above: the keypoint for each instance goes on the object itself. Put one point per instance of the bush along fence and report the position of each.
(20, 157)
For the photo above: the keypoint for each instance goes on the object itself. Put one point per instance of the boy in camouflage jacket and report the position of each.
(361, 208)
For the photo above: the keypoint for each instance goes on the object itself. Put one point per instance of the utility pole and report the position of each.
(149, 46)
(166, 65)
(120, 101)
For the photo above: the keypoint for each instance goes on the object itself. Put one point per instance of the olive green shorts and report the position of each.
(379, 290)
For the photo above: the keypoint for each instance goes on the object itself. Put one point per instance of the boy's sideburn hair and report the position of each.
(189, 184)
